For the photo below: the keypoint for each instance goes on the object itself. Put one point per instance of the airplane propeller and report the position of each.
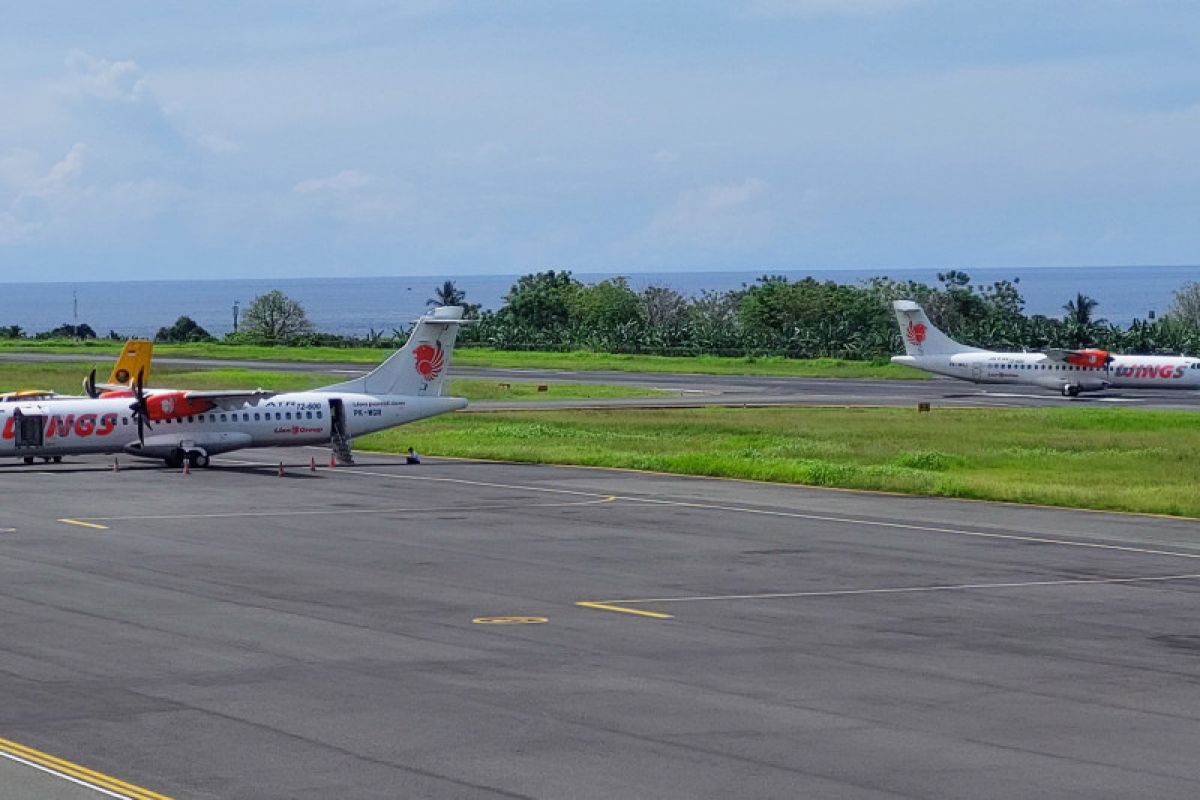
(141, 411)
(89, 385)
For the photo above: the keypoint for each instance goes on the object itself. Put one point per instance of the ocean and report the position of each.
(353, 306)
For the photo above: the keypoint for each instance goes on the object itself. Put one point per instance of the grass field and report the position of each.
(487, 357)
(1110, 459)
(67, 378)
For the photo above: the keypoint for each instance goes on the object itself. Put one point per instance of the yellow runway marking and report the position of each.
(83, 524)
(510, 620)
(621, 609)
(75, 773)
(895, 590)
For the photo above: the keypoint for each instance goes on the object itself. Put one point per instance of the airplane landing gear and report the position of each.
(1070, 391)
(195, 458)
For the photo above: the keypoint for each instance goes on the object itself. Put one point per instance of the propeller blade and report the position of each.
(89, 385)
(140, 408)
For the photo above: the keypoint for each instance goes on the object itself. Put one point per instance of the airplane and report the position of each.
(135, 357)
(1067, 371)
(179, 425)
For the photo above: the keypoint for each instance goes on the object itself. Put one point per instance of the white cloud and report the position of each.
(13, 230)
(714, 216)
(218, 144)
(62, 176)
(666, 157)
(344, 181)
(119, 81)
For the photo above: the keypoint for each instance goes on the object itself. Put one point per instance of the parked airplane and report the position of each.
(1067, 371)
(135, 357)
(175, 425)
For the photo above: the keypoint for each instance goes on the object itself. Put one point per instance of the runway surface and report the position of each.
(688, 390)
(236, 634)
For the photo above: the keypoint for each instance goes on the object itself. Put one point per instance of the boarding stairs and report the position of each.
(340, 443)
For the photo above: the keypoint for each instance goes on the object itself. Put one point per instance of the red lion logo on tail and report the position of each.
(915, 333)
(429, 361)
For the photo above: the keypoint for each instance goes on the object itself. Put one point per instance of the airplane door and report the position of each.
(29, 429)
(976, 372)
(337, 418)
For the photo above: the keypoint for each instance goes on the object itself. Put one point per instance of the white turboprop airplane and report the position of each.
(175, 425)
(1066, 371)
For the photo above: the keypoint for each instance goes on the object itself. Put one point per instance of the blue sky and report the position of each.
(289, 139)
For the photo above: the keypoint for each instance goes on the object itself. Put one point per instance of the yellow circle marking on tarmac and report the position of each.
(510, 620)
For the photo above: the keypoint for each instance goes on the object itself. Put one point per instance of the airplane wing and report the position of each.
(230, 398)
(1083, 358)
(26, 394)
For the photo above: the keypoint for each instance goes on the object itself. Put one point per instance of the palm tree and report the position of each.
(447, 295)
(1079, 311)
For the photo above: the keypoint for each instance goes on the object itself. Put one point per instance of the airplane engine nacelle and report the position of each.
(116, 393)
(1094, 359)
(175, 405)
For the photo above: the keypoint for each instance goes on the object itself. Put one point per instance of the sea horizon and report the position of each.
(356, 305)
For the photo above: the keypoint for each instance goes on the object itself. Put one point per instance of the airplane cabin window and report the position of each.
(256, 417)
(245, 417)
(223, 418)
(319, 415)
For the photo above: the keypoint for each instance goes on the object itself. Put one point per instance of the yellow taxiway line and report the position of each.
(83, 524)
(622, 609)
(106, 784)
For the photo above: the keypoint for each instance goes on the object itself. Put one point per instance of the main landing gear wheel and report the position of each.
(198, 460)
(28, 459)
(1070, 391)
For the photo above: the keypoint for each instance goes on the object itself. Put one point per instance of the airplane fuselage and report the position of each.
(1038, 369)
(68, 427)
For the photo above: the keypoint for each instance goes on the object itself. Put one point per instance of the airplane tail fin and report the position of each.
(921, 337)
(135, 357)
(419, 367)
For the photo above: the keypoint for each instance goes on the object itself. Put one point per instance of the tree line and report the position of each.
(808, 318)
(805, 318)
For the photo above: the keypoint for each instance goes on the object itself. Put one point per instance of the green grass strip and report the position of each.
(487, 357)
(67, 378)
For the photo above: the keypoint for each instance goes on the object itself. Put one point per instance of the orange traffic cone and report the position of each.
(281, 469)
(116, 464)
(187, 466)
(332, 461)
(312, 463)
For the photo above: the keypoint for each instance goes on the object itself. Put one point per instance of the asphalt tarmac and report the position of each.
(688, 390)
(234, 633)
